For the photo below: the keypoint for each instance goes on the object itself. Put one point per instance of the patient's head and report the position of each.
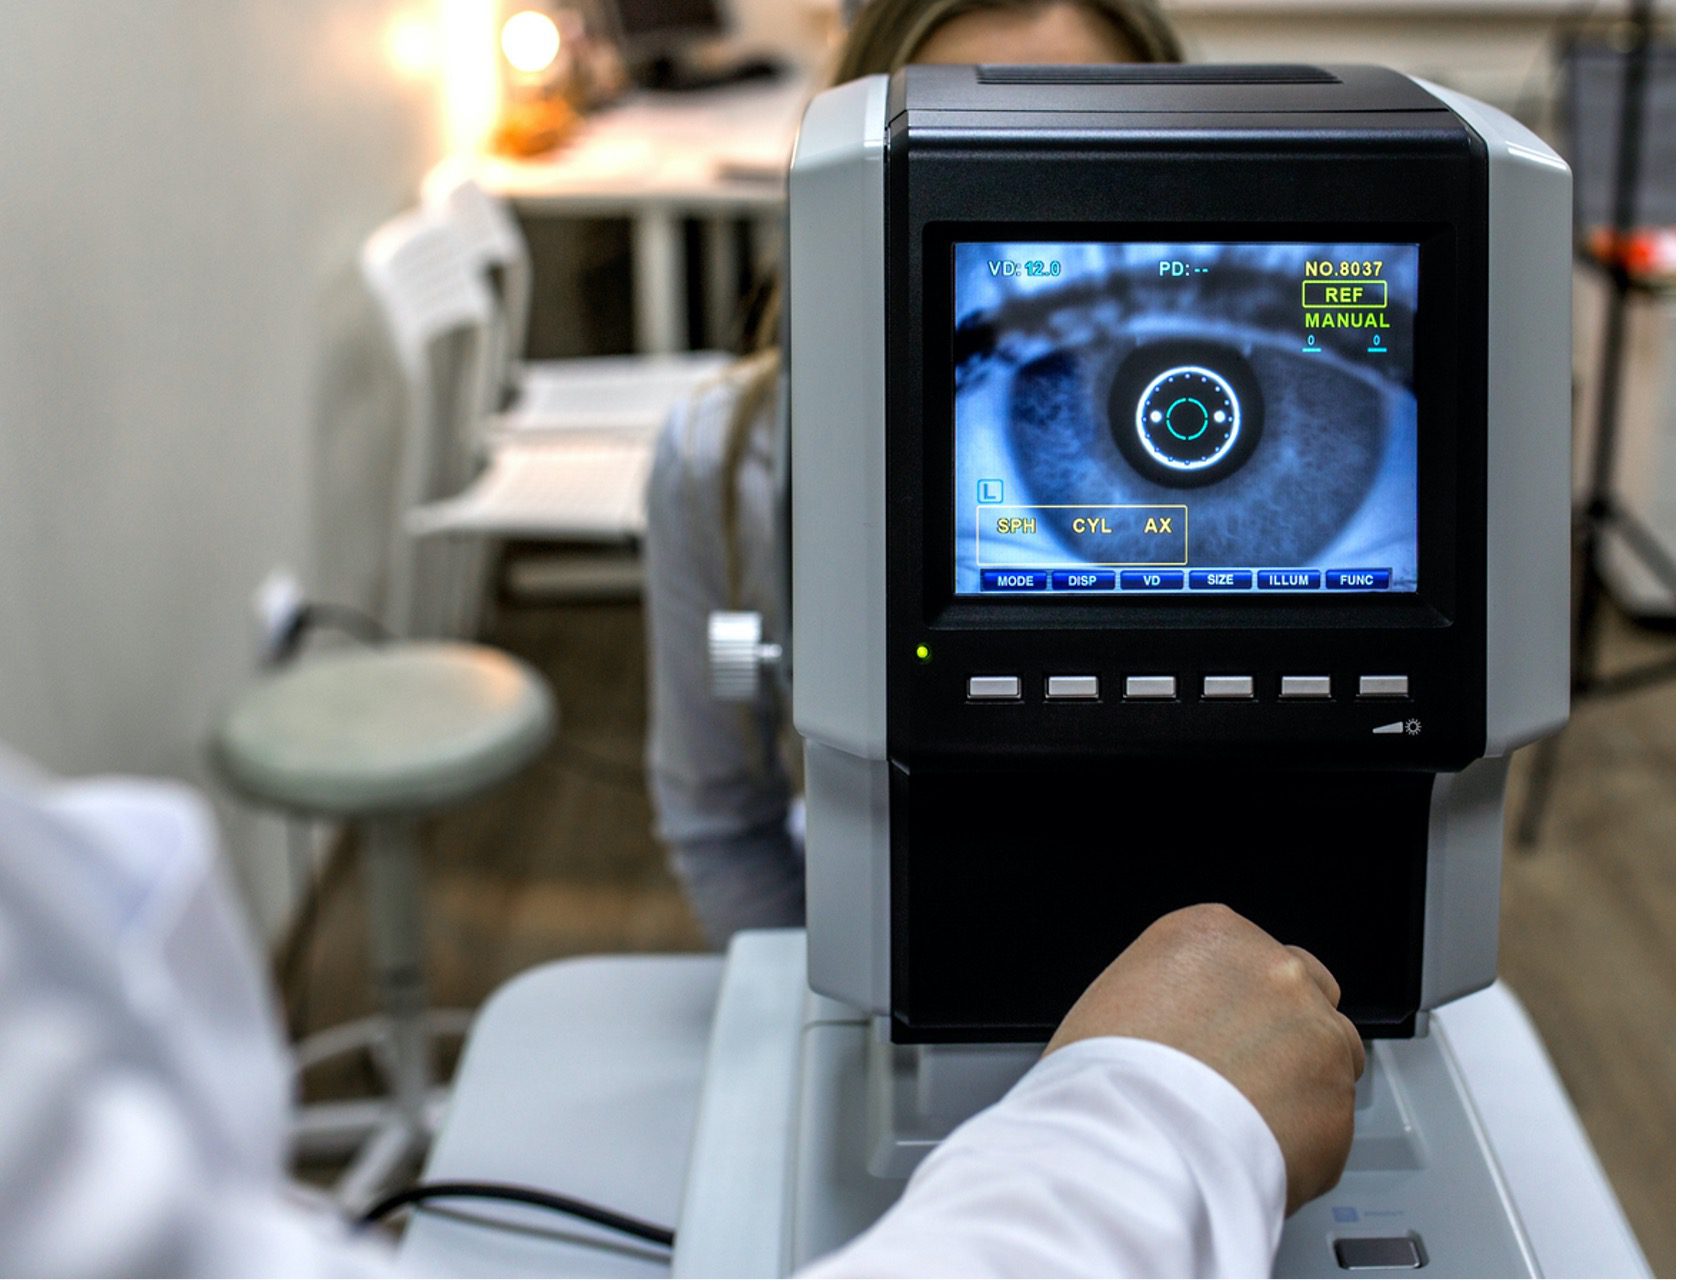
(888, 34)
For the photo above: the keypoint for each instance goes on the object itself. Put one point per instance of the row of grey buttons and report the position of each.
(1223, 687)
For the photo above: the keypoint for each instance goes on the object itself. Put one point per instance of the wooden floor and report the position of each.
(1589, 936)
(563, 862)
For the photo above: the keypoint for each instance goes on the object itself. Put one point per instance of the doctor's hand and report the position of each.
(1208, 982)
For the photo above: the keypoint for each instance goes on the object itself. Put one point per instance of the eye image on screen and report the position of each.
(1185, 418)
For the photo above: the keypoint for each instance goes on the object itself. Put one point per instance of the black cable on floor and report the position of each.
(562, 1203)
(311, 615)
(346, 619)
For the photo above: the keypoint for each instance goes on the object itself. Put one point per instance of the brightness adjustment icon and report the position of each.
(1411, 727)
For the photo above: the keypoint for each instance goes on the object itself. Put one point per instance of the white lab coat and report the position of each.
(144, 1096)
(143, 1084)
(1112, 1158)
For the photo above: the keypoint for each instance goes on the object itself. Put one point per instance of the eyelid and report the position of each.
(1024, 343)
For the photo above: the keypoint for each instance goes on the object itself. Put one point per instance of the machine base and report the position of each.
(1420, 1177)
(792, 1124)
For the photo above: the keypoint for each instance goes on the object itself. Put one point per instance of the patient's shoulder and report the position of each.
(697, 438)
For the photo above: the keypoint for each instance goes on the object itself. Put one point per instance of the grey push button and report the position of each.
(1229, 688)
(996, 688)
(1394, 687)
(1401, 1253)
(1072, 688)
(1149, 688)
(1305, 688)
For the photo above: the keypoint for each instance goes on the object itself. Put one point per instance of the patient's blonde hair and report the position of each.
(888, 33)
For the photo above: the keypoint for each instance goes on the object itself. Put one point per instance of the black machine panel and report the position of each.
(1335, 171)
(1025, 884)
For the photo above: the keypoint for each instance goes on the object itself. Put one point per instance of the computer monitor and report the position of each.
(658, 38)
(651, 29)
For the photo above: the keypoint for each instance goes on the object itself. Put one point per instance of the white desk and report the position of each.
(657, 159)
(584, 1078)
(580, 1077)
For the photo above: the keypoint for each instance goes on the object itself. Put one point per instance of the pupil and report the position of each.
(1188, 419)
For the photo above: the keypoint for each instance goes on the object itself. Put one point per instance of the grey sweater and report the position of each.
(720, 786)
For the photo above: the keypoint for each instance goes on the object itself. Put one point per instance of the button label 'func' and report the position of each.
(1358, 580)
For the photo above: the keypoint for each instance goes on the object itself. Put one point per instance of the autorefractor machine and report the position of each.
(1179, 503)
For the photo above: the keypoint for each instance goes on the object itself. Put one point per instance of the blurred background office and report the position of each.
(221, 279)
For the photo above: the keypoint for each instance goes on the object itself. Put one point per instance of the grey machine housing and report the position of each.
(896, 757)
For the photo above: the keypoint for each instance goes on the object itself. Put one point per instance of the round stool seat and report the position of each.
(402, 729)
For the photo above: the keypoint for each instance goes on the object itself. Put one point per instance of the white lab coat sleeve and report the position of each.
(1113, 1158)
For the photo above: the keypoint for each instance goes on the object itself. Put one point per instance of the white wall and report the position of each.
(191, 390)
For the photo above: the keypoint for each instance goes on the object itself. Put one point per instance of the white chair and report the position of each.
(622, 395)
(587, 487)
(570, 443)
(460, 490)
(439, 316)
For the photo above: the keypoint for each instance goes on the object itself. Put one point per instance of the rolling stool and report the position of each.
(380, 738)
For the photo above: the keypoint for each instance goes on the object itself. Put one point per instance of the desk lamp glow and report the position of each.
(536, 115)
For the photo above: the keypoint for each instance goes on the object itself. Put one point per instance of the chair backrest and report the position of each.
(488, 229)
(440, 317)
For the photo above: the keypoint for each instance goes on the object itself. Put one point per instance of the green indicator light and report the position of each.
(922, 653)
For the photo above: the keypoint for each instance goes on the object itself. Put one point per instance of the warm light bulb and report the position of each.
(530, 41)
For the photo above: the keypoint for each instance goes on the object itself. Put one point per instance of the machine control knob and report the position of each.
(737, 653)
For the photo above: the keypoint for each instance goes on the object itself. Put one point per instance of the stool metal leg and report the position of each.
(384, 1132)
(389, 858)
(405, 1122)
